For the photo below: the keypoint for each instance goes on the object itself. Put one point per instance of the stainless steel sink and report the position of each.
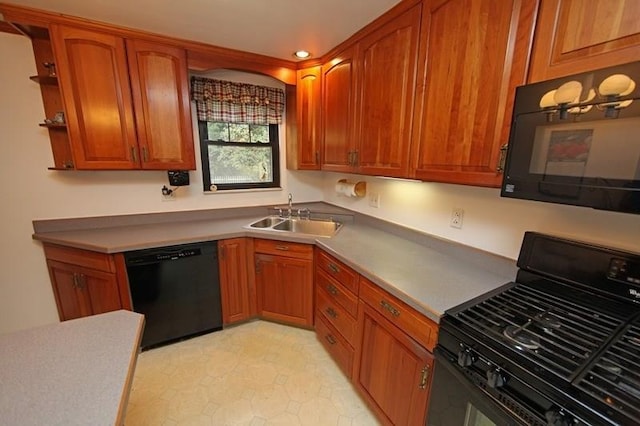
(316, 227)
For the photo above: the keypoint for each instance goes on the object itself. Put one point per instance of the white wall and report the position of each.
(490, 223)
(30, 191)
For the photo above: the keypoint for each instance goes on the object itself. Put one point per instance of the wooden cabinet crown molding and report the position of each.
(200, 56)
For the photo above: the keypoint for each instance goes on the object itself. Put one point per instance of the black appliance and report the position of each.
(177, 288)
(559, 346)
(576, 140)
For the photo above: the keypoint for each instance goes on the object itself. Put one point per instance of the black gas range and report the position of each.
(559, 346)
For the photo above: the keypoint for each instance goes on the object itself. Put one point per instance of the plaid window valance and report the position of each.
(218, 100)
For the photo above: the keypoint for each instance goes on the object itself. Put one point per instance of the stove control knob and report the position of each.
(557, 417)
(466, 357)
(496, 378)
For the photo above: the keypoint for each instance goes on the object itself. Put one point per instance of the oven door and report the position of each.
(457, 401)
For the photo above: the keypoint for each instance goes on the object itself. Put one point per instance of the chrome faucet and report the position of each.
(290, 205)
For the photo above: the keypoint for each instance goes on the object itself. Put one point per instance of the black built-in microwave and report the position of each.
(576, 140)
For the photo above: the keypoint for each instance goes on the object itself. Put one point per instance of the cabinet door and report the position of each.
(234, 280)
(576, 36)
(285, 289)
(94, 81)
(338, 112)
(392, 371)
(472, 56)
(80, 292)
(160, 89)
(387, 75)
(308, 100)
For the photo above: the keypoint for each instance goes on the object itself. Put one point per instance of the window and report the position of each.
(239, 155)
(238, 127)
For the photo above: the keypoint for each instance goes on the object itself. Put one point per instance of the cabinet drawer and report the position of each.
(85, 258)
(344, 323)
(336, 345)
(283, 248)
(337, 293)
(337, 270)
(399, 313)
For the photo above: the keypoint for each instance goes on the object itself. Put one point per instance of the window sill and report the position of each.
(235, 191)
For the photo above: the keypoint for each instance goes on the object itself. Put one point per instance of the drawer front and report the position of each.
(344, 323)
(335, 344)
(337, 270)
(399, 313)
(85, 258)
(283, 248)
(337, 293)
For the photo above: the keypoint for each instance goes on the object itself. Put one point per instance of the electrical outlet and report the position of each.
(456, 218)
(374, 199)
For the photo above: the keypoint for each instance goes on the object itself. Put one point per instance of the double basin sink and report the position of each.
(316, 227)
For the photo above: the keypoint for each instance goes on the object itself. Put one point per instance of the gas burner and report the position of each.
(522, 338)
(548, 322)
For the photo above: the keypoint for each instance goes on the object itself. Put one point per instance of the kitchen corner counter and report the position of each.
(76, 372)
(429, 274)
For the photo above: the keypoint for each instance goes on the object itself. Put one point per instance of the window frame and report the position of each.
(274, 145)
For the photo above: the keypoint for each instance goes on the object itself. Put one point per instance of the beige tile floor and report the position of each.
(259, 373)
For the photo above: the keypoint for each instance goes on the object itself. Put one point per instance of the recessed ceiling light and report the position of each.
(302, 54)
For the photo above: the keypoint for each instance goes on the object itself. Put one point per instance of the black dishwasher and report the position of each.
(177, 288)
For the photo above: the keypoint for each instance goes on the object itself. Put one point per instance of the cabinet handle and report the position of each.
(350, 158)
(332, 289)
(317, 157)
(145, 155)
(334, 268)
(75, 281)
(282, 248)
(79, 281)
(424, 378)
(258, 268)
(502, 159)
(331, 313)
(330, 339)
(386, 306)
(355, 158)
(133, 154)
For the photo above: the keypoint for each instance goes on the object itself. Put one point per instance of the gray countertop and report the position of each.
(77, 372)
(430, 275)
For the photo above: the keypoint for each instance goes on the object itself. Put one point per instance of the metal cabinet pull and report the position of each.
(258, 267)
(502, 159)
(331, 313)
(333, 268)
(424, 378)
(79, 281)
(133, 154)
(386, 306)
(332, 289)
(145, 155)
(330, 339)
(282, 248)
(350, 158)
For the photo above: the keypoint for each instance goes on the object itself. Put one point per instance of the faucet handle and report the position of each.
(304, 212)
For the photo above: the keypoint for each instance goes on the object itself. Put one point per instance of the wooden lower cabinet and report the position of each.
(86, 282)
(392, 371)
(284, 281)
(237, 289)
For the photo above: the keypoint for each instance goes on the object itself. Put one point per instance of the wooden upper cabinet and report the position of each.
(574, 36)
(473, 55)
(388, 58)
(126, 101)
(94, 80)
(160, 88)
(338, 112)
(308, 102)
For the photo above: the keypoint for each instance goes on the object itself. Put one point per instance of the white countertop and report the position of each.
(76, 372)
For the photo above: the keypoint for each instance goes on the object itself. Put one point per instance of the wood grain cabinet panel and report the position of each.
(574, 36)
(304, 147)
(388, 58)
(338, 112)
(473, 54)
(392, 371)
(85, 282)
(160, 88)
(284, 281)
(236, 289)
(126, 101)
